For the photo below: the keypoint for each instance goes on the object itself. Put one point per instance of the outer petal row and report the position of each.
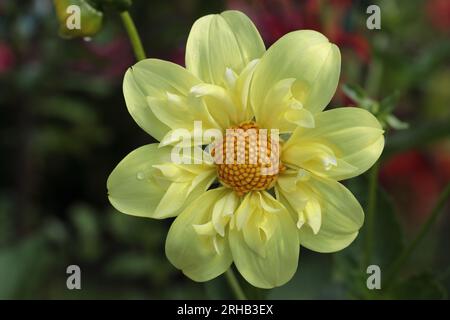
(200, 253)
(154, 78)
(345, 143)
(158, 93)
(220, 41)
(261, 239)
(306, 57)
(146, 184)
(341, 215)
(265, 247)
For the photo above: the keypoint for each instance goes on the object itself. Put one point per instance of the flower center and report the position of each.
(248, 158)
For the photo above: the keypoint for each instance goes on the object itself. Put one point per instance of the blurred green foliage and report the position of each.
(64, 126)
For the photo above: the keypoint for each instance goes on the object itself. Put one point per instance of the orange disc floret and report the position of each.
(247, 159)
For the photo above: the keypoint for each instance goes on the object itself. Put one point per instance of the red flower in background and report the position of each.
(438, 12)
(6, 58)
(442, 162)
(275, 18)
(415, 180)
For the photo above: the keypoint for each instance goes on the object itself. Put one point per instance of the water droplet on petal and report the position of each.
(140, 176)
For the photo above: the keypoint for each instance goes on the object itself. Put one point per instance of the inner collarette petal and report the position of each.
(344, 143)
(193, 245)
(328, 215)
(146, 184)
(266, 249)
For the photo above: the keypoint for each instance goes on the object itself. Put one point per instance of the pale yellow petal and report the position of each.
(192, 244)
(217, 42)
(306, 57)
(341, 216)
(290, 112)
(265, 248)
(344, 143)
(153, 78)
(182, 112)
(144, 183)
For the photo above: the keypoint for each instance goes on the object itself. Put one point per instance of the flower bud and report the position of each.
(78, 18)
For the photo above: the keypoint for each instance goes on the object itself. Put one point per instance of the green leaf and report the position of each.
(388, 104)
(396, 123)
(86, 224)
(354, 92)
(23, 266)
(358, 95)
(389, 238)
(388, 242)
(418, 287)
(313, 279)
(382, 110)
(136, 265)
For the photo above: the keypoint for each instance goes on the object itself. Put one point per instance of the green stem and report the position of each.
(370, 212)
(372, 85)
(133, 35)
(398, 263)
(234, 285)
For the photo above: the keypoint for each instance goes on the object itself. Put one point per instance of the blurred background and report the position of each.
(64, 126)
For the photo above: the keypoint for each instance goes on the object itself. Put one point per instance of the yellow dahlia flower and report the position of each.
(233, 213)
